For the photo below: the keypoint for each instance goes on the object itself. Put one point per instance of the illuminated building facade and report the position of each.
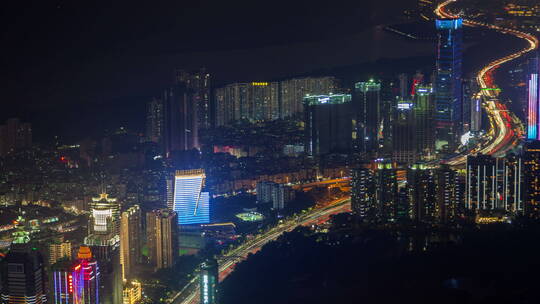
(367, 117)
(254, 101)
(423, 191)
(208, 282)
(263, 101)
(199, 82)
(190, 203)
(162, 238)
(449, 195)
(481, 182)
(476, 115)
(531, 172)
(328, 124)
(104, 215)
(404, 140)
(154, 121)
(180, 127)
(132, 293)
(423, 112)
(510, 184)
(86, 278)
(23, 276)
(293, 91)
(386, 193)
(62, 283)
(362, 190)
(130, 240)
(533, 118)
(448, 84)
(59, 250)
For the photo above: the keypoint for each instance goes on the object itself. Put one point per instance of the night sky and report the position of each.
(74, 56)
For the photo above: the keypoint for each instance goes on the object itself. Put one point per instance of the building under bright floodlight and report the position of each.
(190, 203)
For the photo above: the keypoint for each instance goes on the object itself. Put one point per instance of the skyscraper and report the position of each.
(531, 172)
(86, 278)
(476, 115)
(199, 82)
(104, 242)
(62, 282)
(403, 137)
(208, 282)
(328, 124)
(162, 236)
(130, 240)
(180, 129)
(362, 191)
(448, 87)
(367, 105)
(386, 193)
(190, 202)
(481, 182)
(23, 276)
(533, 117)
(423, 190)
(423, 118)
(293, 91)
(154, 121)
(511, 183)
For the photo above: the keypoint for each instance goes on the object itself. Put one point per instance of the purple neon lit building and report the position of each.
(533, 120)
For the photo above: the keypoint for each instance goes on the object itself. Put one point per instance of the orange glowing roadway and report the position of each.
(190, 293)
(506, 129)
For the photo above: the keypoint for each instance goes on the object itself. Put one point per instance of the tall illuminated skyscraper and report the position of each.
(328, 124)
(448, 85)
(423, 112)
(130, 240)
(481, 182)
(189, 202)
(199, 82)
(533, 118)
(362, 192)
(367, 103)
(62, 282)
(162, 236)
(86, 278)
(208, 282)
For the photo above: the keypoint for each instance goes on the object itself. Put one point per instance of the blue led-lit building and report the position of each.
(448, 84)
(533, 88)
(190, 203)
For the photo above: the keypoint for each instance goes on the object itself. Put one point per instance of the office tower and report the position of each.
(14, 136)
(328, 124)
(403, 203)
(481, 182)
(423, 194)
(132, 293)
(404, 135)
(367, 106)
(190, 202)
(362, 192)
(180, 130)
(154, 121)
(386, 193)
(423, 111)
(130, 240)
(531, 172)
(104, 215)
(293, 91)
(209, 281)
(448, 90)
(162, 237)
(511, 183)
(448, 194)
(22, 273)
(104, 241)
(199, 82)
(476, 115)
(87, 278)
(58, 250)
(62, 282)
(533, 118)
